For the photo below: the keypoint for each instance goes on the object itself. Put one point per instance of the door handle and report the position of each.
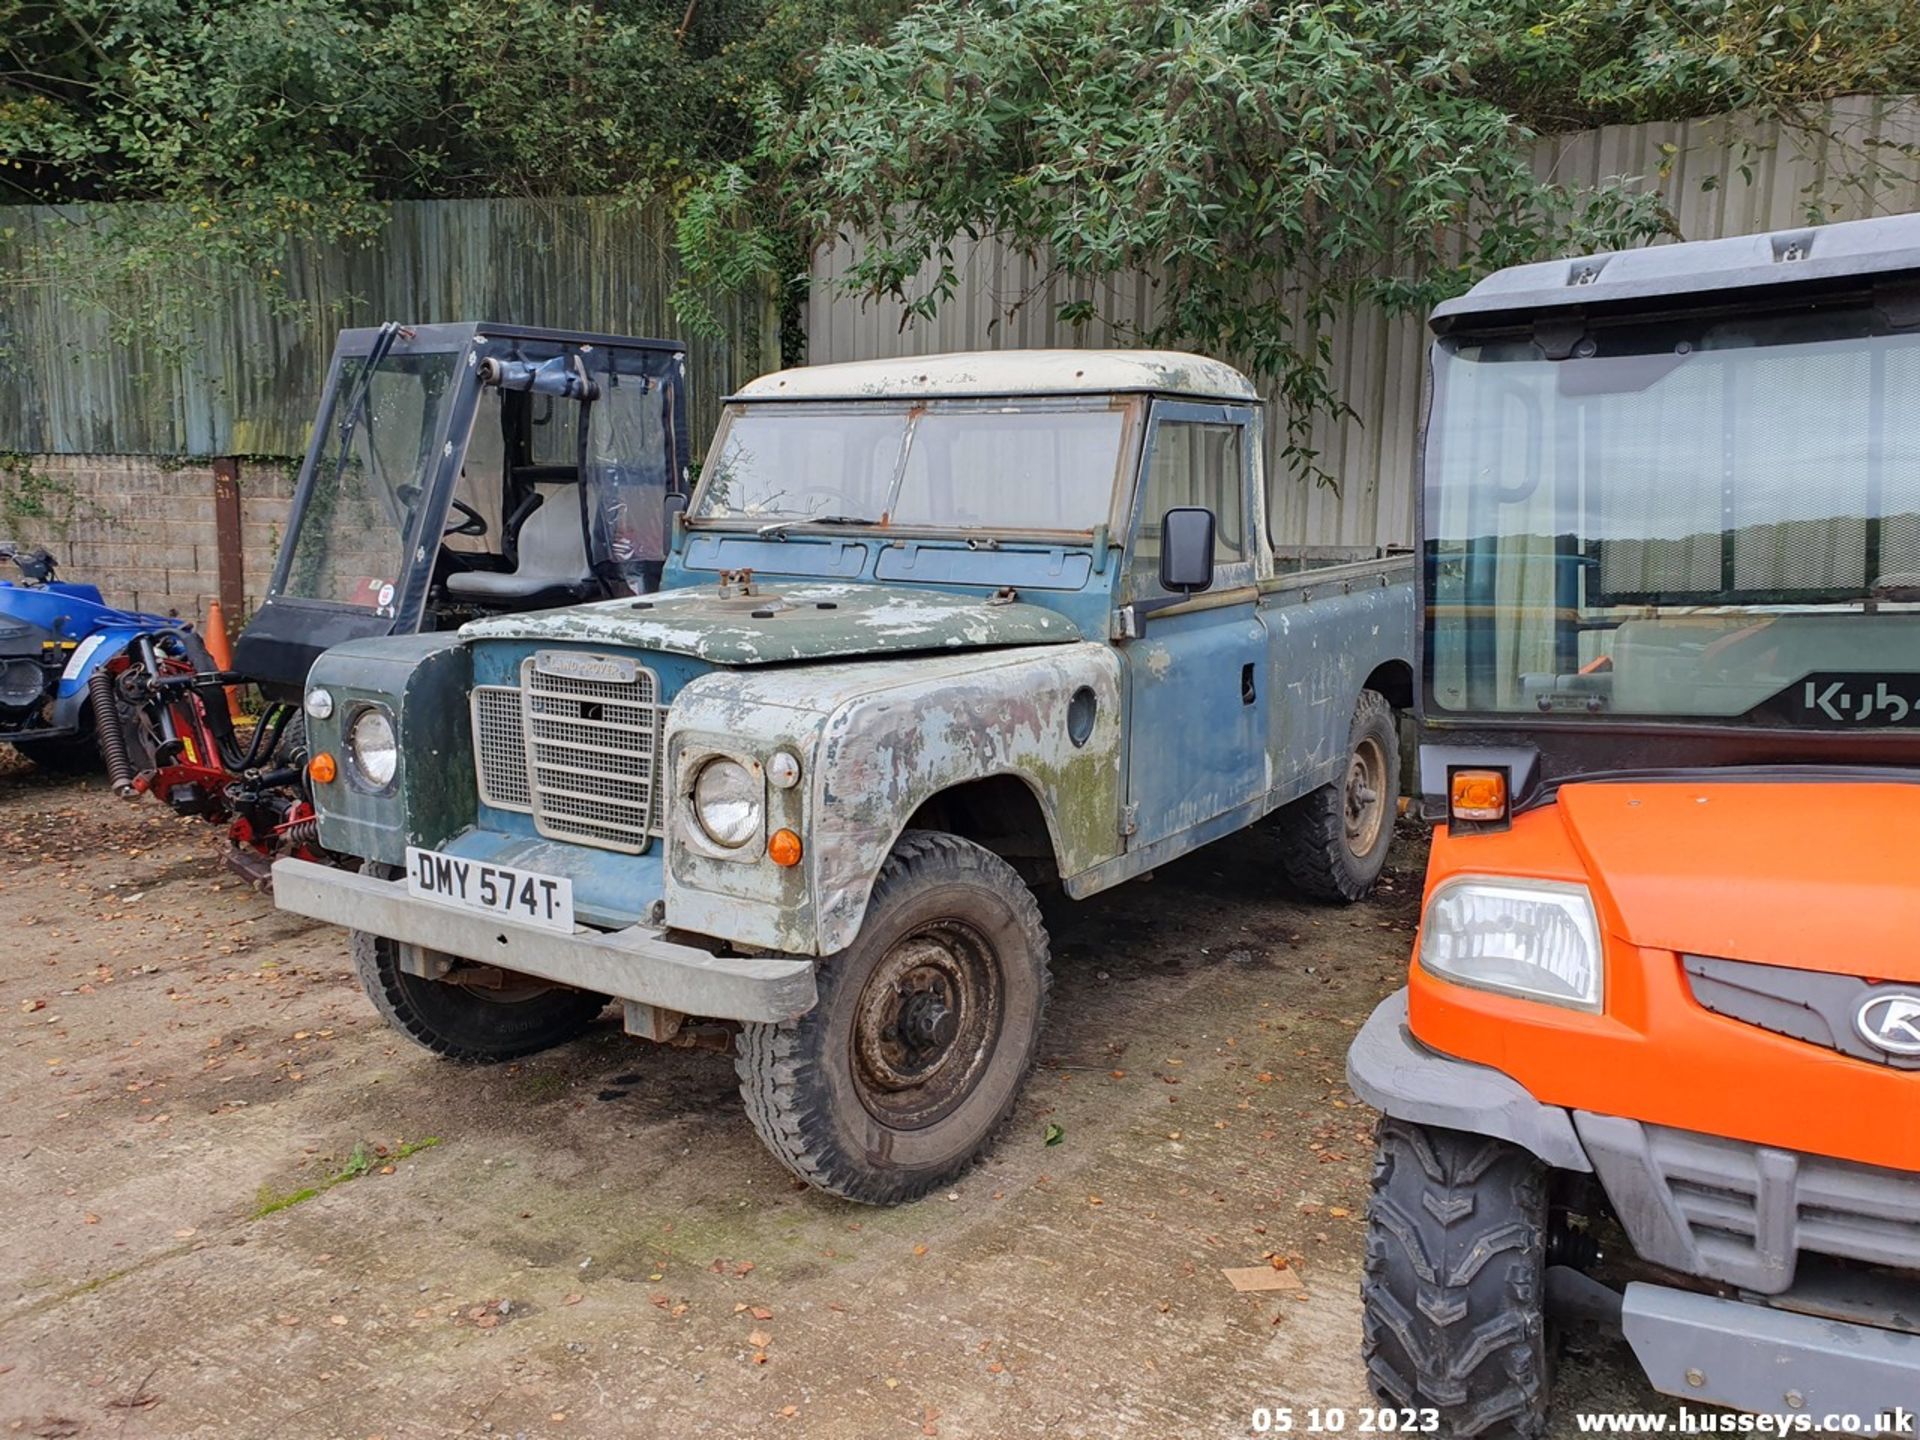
(1247, 696)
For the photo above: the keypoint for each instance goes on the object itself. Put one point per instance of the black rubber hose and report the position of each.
(107, 726)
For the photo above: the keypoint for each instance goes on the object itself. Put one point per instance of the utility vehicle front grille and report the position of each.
(1744, 1214)
(578, 751)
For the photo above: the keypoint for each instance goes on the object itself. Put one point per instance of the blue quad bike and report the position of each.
(56, 641)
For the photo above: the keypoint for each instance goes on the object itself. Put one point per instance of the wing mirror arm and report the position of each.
(1187, 545)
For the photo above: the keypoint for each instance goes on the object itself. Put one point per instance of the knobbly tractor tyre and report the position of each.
(1334, 840)
(923, 1033)
(473, 1024)
(1454, 1291)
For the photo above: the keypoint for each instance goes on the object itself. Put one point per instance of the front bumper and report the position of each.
(1723, 1210)
(637, 964)
(1750, 1357)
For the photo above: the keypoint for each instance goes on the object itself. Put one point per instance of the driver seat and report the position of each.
(550, 555)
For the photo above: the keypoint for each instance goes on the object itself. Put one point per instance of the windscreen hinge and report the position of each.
(1556, 336)
(1899, 302)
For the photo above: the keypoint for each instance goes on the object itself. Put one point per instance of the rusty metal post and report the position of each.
(229, 558)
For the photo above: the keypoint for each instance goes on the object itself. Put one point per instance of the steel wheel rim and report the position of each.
(926, 1023)
(1366, 796)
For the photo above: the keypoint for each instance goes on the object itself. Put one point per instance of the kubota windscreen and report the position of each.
(1706, 519)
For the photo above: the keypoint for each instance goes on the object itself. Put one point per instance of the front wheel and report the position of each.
(1454, 1294)
(924, 1030)
(1334, 841)
(470, 1023)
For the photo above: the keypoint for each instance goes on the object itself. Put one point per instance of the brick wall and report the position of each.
(141, 527)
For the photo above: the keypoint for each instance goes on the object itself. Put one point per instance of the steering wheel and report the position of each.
(472, 521)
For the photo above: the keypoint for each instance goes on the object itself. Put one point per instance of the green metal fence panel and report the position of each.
(240, 372)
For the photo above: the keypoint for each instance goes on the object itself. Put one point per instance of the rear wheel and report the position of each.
(472, 1023)
(1334, 841)
(925, 1028)
(1454, 1294)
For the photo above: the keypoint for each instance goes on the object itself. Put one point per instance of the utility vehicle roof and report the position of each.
(452, 333)
(1850, 254)
(988, 373)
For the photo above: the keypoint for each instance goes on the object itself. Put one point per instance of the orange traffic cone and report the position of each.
(221, 650)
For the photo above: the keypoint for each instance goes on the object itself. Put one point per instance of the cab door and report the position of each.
(1196, 743)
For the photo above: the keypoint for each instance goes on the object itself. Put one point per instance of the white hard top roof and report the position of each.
(987, 373)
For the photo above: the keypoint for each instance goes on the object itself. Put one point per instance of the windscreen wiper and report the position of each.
(778, 530)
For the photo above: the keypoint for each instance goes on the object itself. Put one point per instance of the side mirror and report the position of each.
(1186, 550)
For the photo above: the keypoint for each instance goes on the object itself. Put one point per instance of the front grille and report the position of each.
(1745, 1214)
(500, 744)
(576, 745)
(1811, 1005)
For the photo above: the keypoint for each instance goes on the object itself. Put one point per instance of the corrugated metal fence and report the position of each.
(248, 373)
(1719, 177)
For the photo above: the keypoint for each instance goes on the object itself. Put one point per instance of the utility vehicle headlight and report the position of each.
(371, 747)
(1524, 937)
(319, 703)
(726, 800)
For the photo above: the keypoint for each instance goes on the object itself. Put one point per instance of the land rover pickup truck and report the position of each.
(933, 633)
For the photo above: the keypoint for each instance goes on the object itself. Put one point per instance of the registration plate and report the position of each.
(505, 891)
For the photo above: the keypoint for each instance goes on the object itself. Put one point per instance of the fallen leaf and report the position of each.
(789, 1411)
(573, 1299)
(1053, 1134)
(760, 1312)
(1339, 1212)
(743, 1268)
(677, 1311)
(91, 1218)
(1261, 1277)
(918, 1249)
(186, 1233)
(424, 1313)
(759, 1339)
(336, 1319)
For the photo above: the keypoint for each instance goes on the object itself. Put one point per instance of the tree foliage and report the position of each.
(243, 122)
(1266, 162)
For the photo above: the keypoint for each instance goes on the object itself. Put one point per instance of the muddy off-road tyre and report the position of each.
(1334, 840)
(1454, 1294)
(926, 1026)
(469, 1023)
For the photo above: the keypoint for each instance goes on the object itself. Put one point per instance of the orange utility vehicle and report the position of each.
(1665, 1000)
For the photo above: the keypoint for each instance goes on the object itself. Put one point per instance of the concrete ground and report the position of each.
(236, 1205)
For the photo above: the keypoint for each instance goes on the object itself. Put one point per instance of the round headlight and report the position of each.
(319, 703)
(726, 800)
(371, 747)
